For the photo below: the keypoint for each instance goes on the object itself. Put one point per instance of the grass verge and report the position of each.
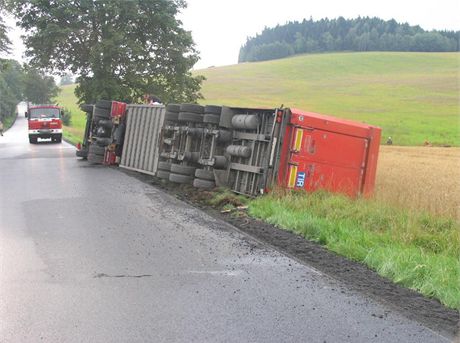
(66, 98)
(8, 121)
(413, 249)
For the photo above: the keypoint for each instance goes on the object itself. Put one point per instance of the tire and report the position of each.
(211, 119)
(165, 166)
(96, 150)
(82, 153)
(107, 104)
(175, 108)
(163, 174)
(211, 109)
(103, 142)
(193, 108)
(190, 117)
(105, 123)
(177, 178)
(95, 159)
(171, 116)
(101, 113)
(32, 140)
(87, 108)
(205, 174)
(182, 170)
(58, 140)
(204, 184)
(220, 162)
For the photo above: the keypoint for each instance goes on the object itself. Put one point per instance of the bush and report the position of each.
(67, 117)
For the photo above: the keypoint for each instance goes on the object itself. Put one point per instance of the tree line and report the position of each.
(329, 35)
(22, 83)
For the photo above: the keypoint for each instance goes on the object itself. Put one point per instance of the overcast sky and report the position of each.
(220, 27)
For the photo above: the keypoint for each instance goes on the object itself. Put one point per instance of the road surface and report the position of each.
(90, 254)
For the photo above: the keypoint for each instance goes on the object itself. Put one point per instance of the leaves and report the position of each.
(120, 49)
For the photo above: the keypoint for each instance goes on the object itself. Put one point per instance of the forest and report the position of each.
(329, 35)
(20, 82)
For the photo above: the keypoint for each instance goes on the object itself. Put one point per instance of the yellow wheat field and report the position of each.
(426, 178)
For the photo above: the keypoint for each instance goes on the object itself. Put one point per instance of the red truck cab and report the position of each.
(45, 121)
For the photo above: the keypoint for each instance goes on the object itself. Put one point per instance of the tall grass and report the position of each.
(411, 248)
(420, 178)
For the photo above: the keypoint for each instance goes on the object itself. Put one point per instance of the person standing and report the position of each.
(1, 128)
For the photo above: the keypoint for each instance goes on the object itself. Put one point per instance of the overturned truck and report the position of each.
(248, 150)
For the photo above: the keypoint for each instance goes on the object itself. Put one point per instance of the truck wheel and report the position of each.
(95, 159)
(101, 113)
(96, 150)
(171, 116)
(87, 108)
(204, 184)
(164, 166)
(211, 119)
(177, 178)
(104, 104)
(105, 123)
(193, 108)
(173, 108)
(58, 139)
(205, 174)
(163, 174)
(103, 142)
(211, 109)
(32, 140)
(183, 170)
(190, 117)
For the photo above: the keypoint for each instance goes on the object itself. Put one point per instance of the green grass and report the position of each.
(67, 99)
(413, 96)
(412, 249)
(8, 122)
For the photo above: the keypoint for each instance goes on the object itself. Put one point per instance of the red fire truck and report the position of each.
(45, 121)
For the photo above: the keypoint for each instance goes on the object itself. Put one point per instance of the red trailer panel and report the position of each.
(323, 152)
(118, 109)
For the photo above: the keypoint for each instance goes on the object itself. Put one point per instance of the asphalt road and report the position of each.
(90, 254)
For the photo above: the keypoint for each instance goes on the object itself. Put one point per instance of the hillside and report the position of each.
(359, 34)
(412, 96)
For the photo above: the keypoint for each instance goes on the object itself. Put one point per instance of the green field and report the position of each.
(67, 99)
(414, 97)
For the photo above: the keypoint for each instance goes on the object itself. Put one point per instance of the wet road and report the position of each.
(90, 254)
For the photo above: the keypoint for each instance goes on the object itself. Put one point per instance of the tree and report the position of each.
(38, 87)
(11, 82)
(121, 49)
(360, 34)
(4, 40)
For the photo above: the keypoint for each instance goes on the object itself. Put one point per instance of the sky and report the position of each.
(220, 27)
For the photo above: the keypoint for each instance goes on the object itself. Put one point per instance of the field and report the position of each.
(67, 99)
(412, 96)
(420, 178)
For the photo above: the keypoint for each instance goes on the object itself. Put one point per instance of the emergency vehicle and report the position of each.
(45, 121)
